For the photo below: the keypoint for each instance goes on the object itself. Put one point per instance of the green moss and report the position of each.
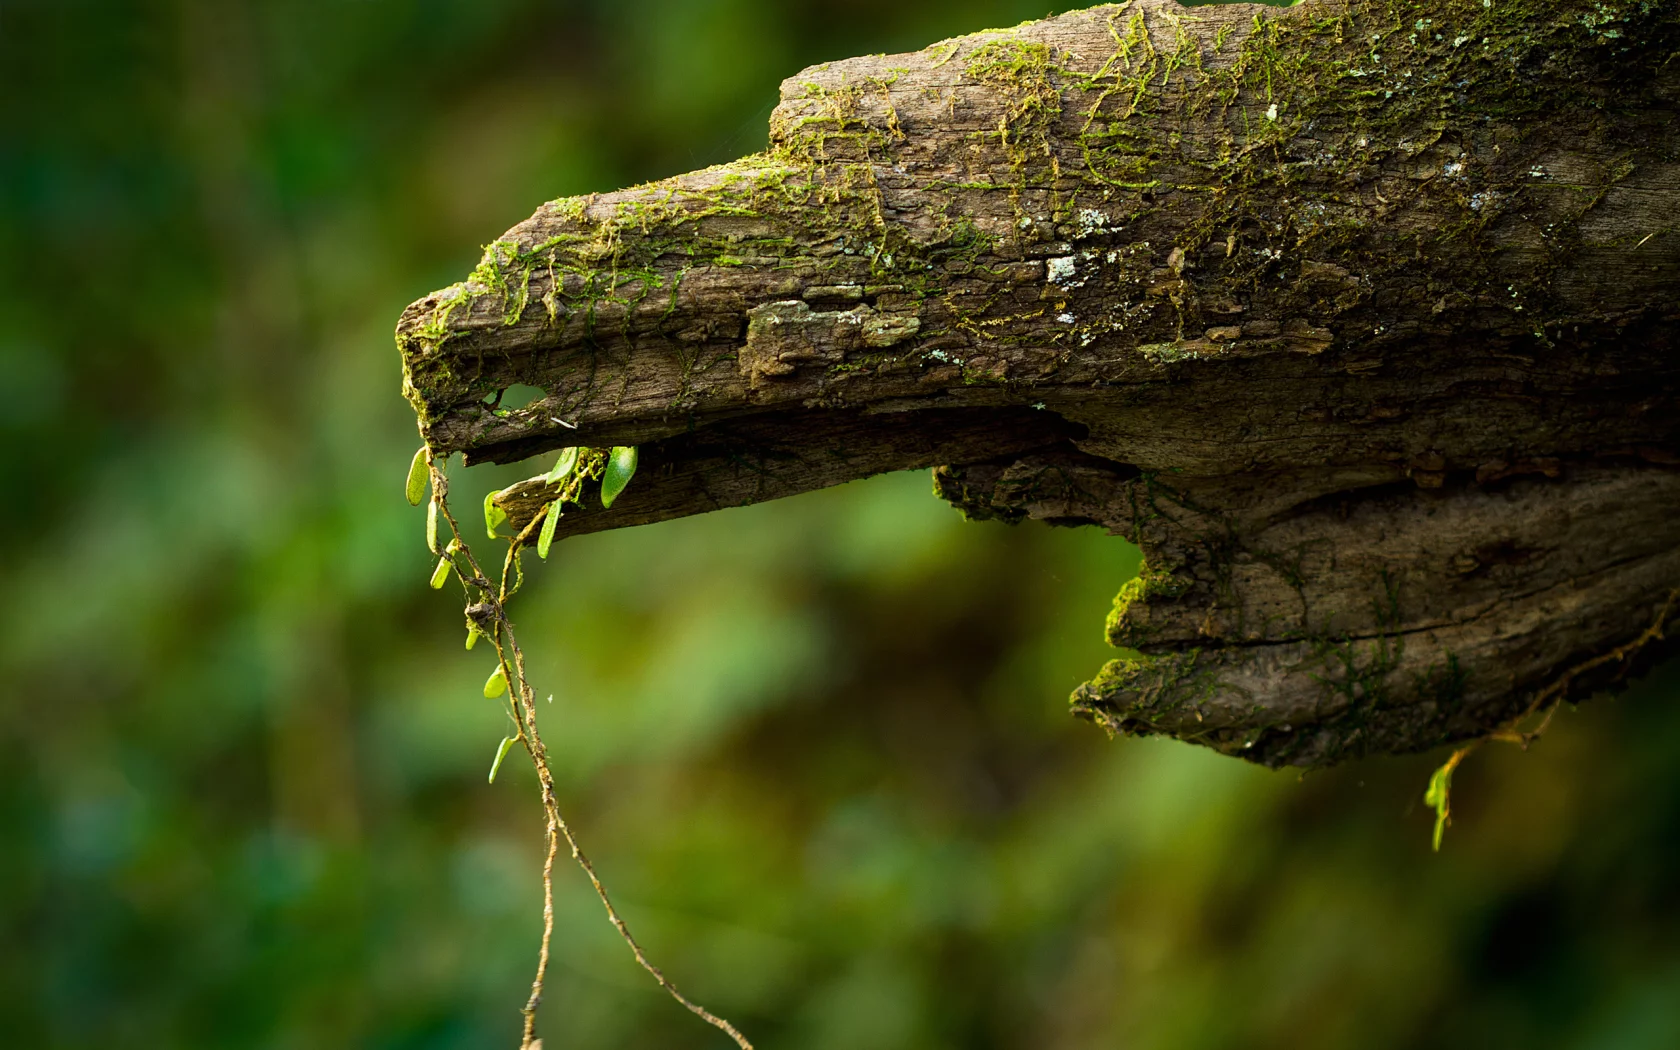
(1148, 585)
(1148, 693)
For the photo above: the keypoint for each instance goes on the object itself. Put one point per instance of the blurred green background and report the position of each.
(819, 748)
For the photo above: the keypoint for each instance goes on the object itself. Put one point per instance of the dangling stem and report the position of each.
(1546, 700)
(522, 700)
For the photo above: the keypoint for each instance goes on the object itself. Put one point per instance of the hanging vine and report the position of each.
(485, 608)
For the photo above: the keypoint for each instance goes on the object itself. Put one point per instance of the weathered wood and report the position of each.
(1359, 317)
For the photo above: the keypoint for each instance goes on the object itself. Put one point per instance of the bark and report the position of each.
(1359, 317)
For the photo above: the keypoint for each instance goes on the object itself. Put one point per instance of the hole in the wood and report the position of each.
(519, 396)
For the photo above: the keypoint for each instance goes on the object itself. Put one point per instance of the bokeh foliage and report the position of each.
(818, 747)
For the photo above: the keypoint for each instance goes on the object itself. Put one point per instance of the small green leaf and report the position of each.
(440, 575)
(418, 473)
(545, 538)
(1439, 796)
(473, 635)
(496, 684)
(564, 466)
(431, 526)
(621, 466)
(501, 753)
(493, 515)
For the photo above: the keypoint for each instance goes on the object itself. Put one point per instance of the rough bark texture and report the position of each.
(1359, 317)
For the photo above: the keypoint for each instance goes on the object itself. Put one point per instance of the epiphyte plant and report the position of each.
(577, 473)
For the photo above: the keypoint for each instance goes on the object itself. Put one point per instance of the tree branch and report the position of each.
(1359, 317)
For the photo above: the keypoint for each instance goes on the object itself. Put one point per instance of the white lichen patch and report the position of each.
(1089, 222)
(1063, 272)
(1167, 353)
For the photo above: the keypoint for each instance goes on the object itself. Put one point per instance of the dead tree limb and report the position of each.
(1360, 317)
